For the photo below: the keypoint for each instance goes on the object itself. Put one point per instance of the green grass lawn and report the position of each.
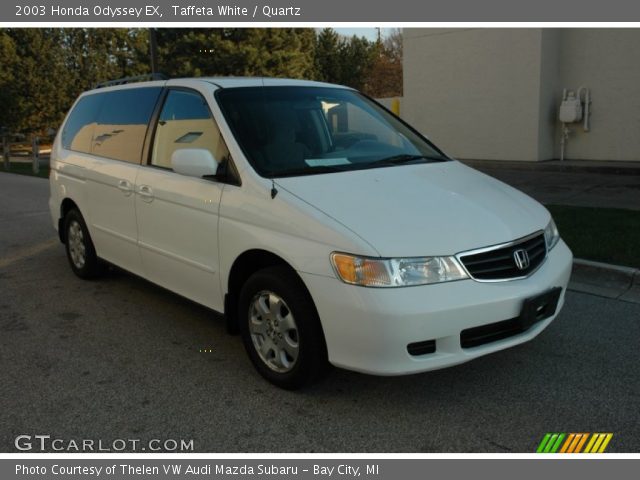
(26, 169)
(608, 235)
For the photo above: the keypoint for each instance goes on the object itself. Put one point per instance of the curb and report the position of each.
(606, 280)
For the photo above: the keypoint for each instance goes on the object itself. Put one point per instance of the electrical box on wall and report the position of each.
(571, 109)
(574, 107)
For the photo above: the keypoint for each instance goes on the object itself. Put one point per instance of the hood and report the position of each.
(422, 209)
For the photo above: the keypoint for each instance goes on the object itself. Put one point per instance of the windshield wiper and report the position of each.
(407, 158)
(392, 160)
(293, 172)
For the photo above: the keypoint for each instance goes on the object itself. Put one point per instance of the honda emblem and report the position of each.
(521, 258)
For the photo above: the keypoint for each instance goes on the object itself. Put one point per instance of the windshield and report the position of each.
(287, 131)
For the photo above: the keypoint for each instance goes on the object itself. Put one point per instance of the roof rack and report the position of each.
(139, 78)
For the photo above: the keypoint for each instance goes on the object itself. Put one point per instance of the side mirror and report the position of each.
(194, 162)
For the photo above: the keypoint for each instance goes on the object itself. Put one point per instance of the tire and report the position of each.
(80, 250)
(280, 328)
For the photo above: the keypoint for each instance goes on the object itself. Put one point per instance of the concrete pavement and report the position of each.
(119, 358)
(24, 214)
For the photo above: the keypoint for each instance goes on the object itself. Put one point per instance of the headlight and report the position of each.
(551, 235)
(396, 272)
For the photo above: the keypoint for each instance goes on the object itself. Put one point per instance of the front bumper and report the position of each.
(368, 329)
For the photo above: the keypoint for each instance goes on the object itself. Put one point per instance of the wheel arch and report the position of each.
(245, 265)
(66, 205)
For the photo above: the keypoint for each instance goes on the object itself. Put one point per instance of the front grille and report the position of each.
(498, 263)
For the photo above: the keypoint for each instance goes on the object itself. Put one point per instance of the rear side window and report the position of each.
(122, 123)
(78, 130)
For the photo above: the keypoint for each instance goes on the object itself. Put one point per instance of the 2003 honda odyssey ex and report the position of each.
(324, 227)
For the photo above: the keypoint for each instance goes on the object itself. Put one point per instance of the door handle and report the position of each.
(145, 193)
(125, 187)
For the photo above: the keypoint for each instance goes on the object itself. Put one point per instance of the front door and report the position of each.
(177, 214)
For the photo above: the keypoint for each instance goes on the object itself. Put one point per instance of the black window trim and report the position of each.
(230, 174)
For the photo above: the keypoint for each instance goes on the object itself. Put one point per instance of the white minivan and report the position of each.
(326, 229)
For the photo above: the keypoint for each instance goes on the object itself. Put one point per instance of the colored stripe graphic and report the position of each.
(574, 443)
(598, 443)
(543, 443)
(556, 445)
(604, 445)
(590, 444)
(581, 443)
(568, 442)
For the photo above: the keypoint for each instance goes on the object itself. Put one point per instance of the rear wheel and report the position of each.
(80, 250)
(280, 328)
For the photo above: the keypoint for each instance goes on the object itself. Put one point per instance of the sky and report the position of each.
(370, 33)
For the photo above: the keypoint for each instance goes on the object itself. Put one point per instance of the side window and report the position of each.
(186, 122)
(122, 123)
(78, 130)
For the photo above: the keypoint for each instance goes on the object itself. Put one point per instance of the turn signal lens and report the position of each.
(551, 234)
(396, 272)
(360, 271)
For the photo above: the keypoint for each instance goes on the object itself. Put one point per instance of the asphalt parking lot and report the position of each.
(120, 358)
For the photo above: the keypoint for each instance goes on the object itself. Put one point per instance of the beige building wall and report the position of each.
(388, 103)
(473, 91)
(495, 93)
(608, 62)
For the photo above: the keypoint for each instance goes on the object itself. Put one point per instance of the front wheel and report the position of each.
(280, 328)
